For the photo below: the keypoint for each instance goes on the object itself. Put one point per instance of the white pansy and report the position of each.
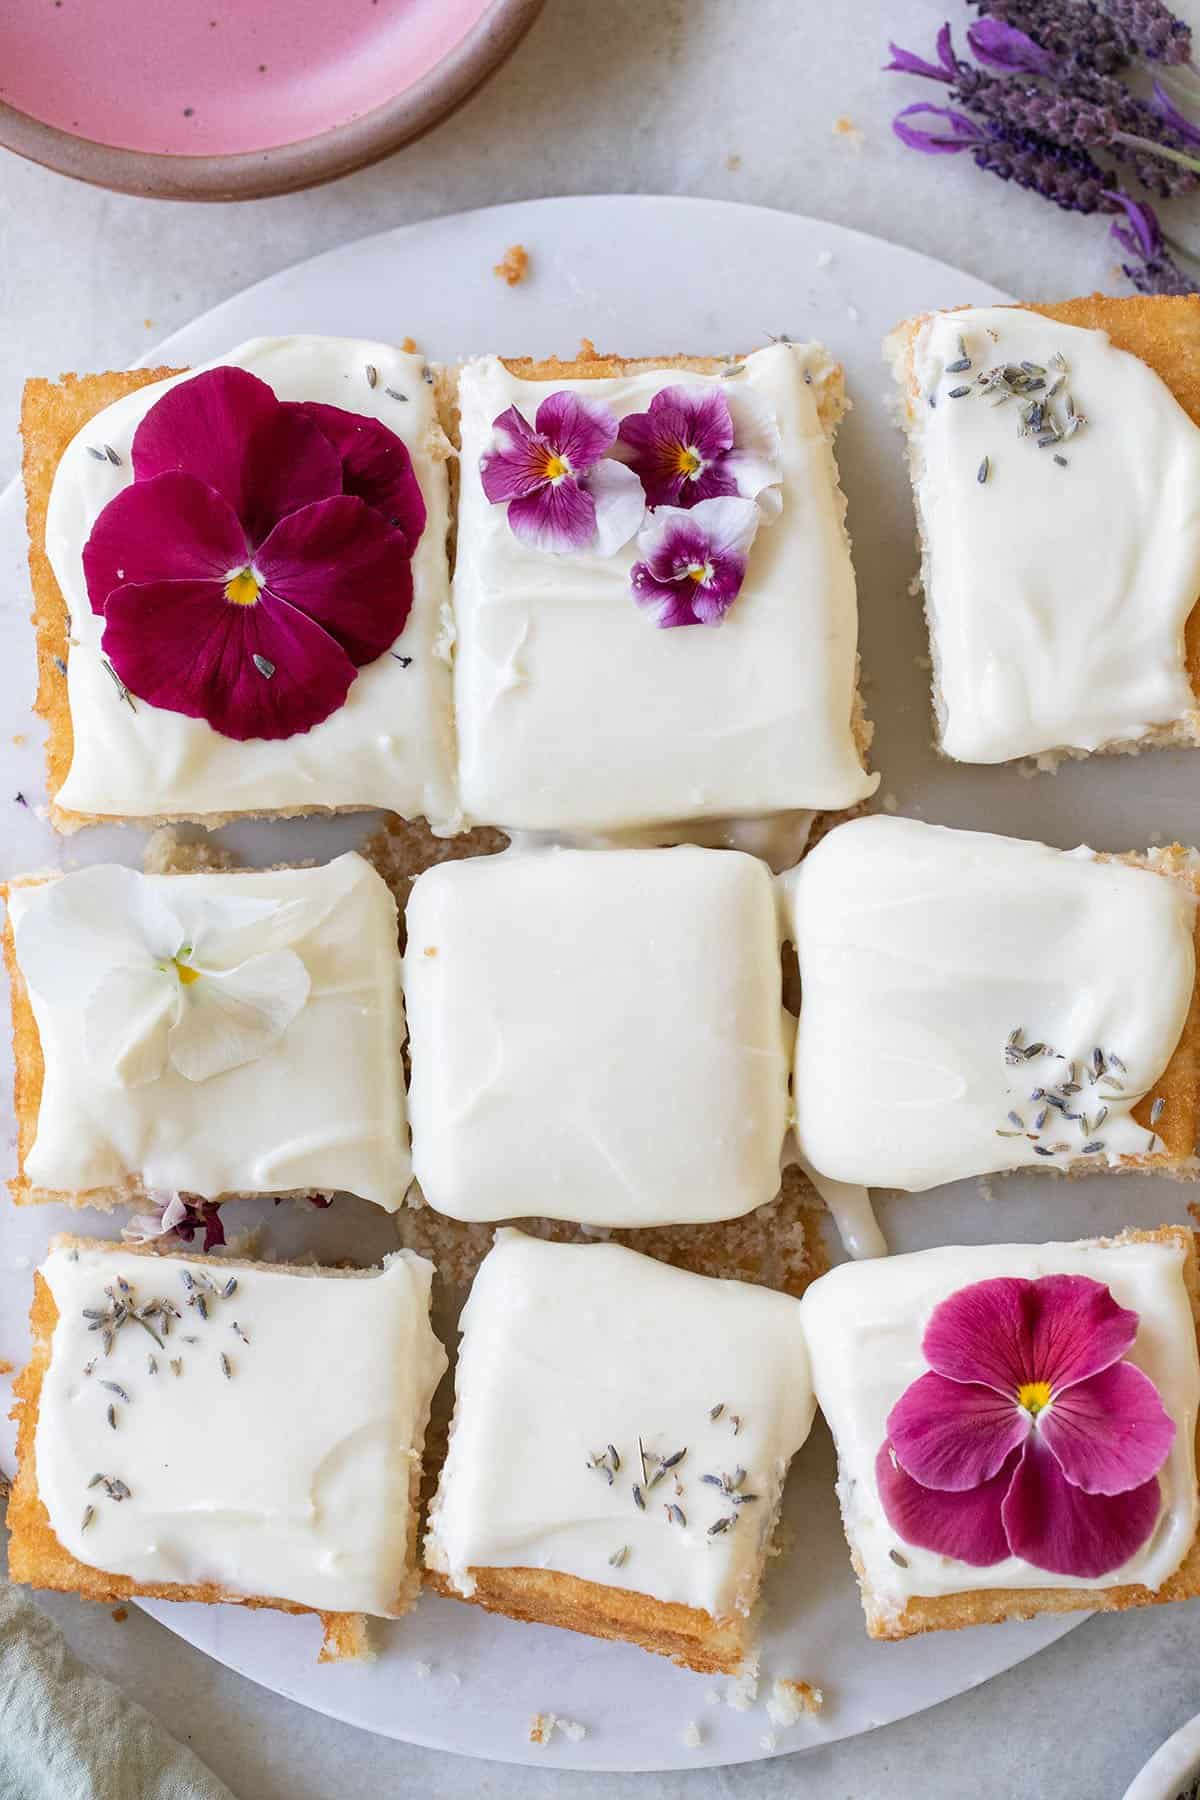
(756, 460)
(194, 981)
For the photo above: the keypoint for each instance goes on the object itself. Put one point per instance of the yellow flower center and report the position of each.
(243, 588)
(697, 572)
(686, 461)
(1033, 1396)
(184, 969)
(556, 467)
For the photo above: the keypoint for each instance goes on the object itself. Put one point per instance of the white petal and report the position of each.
(128, 1015)
(756, 462)
(142, 1228)
(224, 930)
(620, 503)
(81, 926)
(229, 1018)
(731, 522)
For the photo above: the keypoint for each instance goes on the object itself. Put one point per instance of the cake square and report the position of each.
(239, 1459)
(621, 1435)
(208, 1034)
(999, 1004)
(1055, 458)
(874, 1329)
(110, 752)
(574, 711)
(597, 1035)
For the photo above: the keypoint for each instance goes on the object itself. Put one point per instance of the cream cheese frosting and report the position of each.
(864, 1323)
(922, 952)
(573, 1354)
(322, 1108)
(597, 1035)
(270, 1445)
(1058, 579)
(391, 744)
(576, 713)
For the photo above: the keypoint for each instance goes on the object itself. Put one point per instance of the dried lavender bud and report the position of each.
(1066, 28)
(1152, 29)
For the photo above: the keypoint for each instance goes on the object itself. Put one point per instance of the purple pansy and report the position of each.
(261, 556)
(692, 561)
(562, 490)
(173, 1216)
(1030, 1436)
(697, 443)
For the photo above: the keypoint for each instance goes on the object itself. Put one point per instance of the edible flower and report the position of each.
(260, 557)
(1029, 1436)
(563, 491)
(175, 1217)
(693, 560)
(695, 443)
(200, 983)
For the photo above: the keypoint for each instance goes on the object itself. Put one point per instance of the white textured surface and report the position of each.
(660, 104)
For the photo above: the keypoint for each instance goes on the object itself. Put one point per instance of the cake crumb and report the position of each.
(790, 1700)
(423, 1670)
(848, 133)
(889, 803)
(824, 259)
(712, 1696)
(18, 738)
(513, 265)
(743, 1692)
(430, 950)
(986, 1190)
(542, 1727)
(120, 1614)
(6, 1368)
(733, 162)
(409, 346)
(853, 314)
(692, 1736)
(768, 1740)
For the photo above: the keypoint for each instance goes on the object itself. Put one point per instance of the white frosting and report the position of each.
(1057, 596)
(576, 713)
(287, 1479)
(922, 949)
(864, 1323)
(570, 1348)
(323, 1108)
(597, 1035)
(391, 744)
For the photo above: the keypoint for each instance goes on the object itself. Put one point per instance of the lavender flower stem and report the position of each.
(1152, 149)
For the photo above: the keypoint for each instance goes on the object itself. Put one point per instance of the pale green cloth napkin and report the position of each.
(68, 1734)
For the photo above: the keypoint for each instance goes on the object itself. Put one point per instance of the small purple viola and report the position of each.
(695, 444)
(261, 556)
(563, 491)
(692, 561)
(1030, 1436)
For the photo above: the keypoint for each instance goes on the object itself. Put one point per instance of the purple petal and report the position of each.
(1007, 1331)
(182, 646)
(344, 566)
(560, 517)
(1110, 1432)
(1059, 1528)
(1004, 47)
(952, 1435)
(1166, 109)
(619, 501)
(581, 431)
(694, 562)
(516, 464)
(905, 63)
(965, 134)
(376, 466)
(1144, 235)
(169, 528)
(226, 428)
(1076, 1329)
(967, 1526)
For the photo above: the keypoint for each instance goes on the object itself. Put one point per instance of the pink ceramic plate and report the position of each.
(233, 99)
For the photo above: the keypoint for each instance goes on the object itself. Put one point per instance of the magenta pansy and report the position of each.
(1030, 1435)
(260, 557)
(697, 443)
(692, 561)
(563, 491)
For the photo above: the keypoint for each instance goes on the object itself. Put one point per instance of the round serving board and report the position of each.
(639, 276)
